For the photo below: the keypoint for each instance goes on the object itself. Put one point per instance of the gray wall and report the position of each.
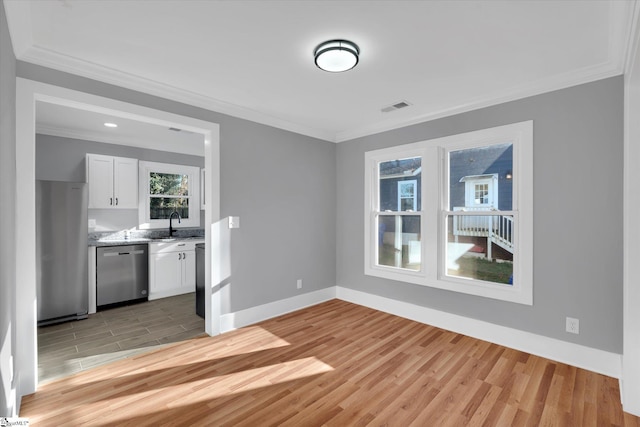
(281, 184)
(8, 197)
(298, 221)
(63, 159)
(578, 161)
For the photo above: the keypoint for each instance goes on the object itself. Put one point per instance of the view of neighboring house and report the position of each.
(480, 180)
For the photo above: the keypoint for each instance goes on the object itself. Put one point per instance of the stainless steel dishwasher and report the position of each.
(122, 275)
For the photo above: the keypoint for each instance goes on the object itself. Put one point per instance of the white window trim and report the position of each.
(433, 195)
(144, 221)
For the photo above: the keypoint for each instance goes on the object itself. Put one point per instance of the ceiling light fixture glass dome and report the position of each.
(336, 56)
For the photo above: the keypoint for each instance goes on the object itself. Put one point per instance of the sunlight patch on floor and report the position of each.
(193, 392)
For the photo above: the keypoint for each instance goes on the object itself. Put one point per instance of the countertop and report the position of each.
(142, 237)
(140, 241)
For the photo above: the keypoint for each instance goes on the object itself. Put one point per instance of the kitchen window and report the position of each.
(454, 213)
(167, 188)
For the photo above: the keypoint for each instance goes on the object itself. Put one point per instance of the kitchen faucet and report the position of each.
(171, 230)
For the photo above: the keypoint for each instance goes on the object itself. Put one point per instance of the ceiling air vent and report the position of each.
(396, 106)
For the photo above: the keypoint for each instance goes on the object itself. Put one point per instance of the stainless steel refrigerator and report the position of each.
(61, 255)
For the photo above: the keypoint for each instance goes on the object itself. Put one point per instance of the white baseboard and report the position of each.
(169, 293)
(239, 319)
(600, 361)
(592, 359)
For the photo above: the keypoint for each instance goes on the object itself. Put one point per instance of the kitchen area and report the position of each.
(119, 232)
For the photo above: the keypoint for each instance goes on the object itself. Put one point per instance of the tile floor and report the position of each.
(114, 334)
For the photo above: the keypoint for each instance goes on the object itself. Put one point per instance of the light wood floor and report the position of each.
(334, 364)
(115, 334)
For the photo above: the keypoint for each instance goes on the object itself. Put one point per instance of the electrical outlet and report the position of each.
(573, 325)
(299, 283)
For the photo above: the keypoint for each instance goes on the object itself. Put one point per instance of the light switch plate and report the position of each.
(234, 222)
(92, 223)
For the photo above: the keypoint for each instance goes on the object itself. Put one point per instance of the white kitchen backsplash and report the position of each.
(113, 219)
(118, 219)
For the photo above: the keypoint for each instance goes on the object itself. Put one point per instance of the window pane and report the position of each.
(163, 207)
(481, 247)
(481, 178)
(399, 184)
(168, 184)
(399, 241)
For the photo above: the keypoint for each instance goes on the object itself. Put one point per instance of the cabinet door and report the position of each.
(100, 179)
(166, 272)
(125, 183)
(189, 271)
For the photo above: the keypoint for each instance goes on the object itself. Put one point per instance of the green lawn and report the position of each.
(471, 267)
(483, 269)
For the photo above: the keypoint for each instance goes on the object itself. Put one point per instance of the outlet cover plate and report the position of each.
(573, 325)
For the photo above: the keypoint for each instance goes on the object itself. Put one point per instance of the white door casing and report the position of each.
(28, 93)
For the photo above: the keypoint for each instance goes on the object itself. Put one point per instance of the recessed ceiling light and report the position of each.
(336, 56)
(111, 125)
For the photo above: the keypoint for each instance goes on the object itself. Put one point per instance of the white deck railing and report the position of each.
(498, 228)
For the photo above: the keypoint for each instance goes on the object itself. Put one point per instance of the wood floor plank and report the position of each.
(333, 364)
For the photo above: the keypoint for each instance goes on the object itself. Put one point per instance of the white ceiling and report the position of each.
(253, 59)
(58, 120)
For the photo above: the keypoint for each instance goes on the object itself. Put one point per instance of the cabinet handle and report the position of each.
(110, 201)
(179, 256)
(116, 201)
(184, 256)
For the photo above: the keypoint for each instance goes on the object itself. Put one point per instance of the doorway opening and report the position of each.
(28, 93)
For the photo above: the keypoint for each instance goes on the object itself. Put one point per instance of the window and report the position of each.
(398, 213)
(168, 193)
(454, 213)
(407, 197)
(165, 189)
(480, 231)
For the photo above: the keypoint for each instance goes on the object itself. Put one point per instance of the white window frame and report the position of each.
(434, 211)
(144, 220)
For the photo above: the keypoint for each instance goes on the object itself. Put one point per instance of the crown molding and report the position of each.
(623, 16)
(564, 81)
(119, 140)
(54, 60)
(48, 58)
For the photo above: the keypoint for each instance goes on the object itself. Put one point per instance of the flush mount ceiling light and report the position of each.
(336, 56)
(111, 125)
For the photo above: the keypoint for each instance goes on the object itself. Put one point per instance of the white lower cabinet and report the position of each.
(172, 268)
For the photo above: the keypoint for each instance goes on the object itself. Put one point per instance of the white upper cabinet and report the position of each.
(113, 182)
(125, 182)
